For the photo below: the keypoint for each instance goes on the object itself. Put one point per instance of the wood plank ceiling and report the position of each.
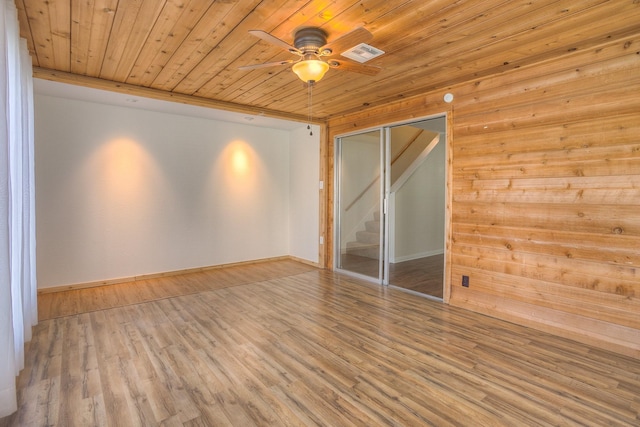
(194, 47)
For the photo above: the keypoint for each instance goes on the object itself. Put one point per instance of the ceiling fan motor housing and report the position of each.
(310, 40)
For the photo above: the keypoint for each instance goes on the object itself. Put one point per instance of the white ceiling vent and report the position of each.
(362, 53)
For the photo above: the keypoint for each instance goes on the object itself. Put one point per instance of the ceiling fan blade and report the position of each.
(273, 40)
(265, 65)
(369, 70)
(349, 40)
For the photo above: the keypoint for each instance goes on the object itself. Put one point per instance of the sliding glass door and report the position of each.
(416, 207)
(359, 220)
(390, 205)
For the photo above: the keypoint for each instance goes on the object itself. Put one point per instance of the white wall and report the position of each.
(123, 192)
(420, 209)
(304, 209)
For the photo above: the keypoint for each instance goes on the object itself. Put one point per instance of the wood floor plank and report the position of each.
(282, 344)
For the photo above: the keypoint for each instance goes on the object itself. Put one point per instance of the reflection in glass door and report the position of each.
(390, 205)
(416, 206)
(359, 220)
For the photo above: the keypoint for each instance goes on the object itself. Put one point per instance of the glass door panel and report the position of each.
(416, 208)
(358, 211)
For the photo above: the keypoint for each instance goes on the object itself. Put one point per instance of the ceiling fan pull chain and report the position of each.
(310, 106)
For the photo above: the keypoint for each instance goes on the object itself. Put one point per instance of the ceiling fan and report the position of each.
(310, 45)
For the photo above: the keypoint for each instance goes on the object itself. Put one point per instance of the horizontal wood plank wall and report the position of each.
(545, 176)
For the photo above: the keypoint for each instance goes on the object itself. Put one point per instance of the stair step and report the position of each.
(368, 237)
(373, 226)
(363, 250)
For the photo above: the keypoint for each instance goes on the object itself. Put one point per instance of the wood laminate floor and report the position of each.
(298, 346)
(423, 275)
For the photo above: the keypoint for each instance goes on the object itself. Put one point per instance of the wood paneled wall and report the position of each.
(545, 192)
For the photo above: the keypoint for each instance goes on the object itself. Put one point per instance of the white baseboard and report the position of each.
(411, 257)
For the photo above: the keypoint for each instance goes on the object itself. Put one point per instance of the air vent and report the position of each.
(362, 53)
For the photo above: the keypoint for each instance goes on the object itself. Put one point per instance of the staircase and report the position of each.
(408, 154)
(367, 243)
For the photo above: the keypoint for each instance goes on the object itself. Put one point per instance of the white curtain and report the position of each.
(18, 288)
